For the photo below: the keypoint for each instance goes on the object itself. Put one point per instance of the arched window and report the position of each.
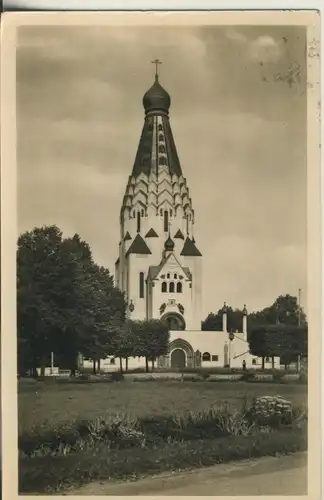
(138, 222)
(253, 361)
(179, 287)
(267, 359)
(161, 212)
(112, 361)
(162, 160)
(161, 148)
(141, 285)
(166, 221)
(175, 276)
(168, 276)
(160, 127)
(160, 137)
(164, 287)
(142, 212)
(206, 356)
(171, 287)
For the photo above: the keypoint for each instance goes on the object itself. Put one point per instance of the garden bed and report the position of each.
(269, 425)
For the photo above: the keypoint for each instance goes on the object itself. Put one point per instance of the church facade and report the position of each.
(159, 265)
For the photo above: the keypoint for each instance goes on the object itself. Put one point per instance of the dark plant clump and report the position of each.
(54, 474)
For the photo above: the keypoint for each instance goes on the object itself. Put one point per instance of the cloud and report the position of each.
(241, 144)
(263, 49)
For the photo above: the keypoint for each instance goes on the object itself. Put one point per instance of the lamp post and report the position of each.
(231, 338)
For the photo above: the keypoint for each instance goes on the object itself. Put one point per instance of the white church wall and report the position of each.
(137, 264)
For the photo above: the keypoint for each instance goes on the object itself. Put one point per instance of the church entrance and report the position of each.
(178, 359)
(174, 321)
(181, 354)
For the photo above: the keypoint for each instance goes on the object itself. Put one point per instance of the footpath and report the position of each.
(285, 475)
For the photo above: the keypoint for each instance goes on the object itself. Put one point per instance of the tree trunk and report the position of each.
(146, 364)
(126, 367)
(42, 366)
(273, 362)
(153, 360)
(98, 365)
(121, 364)
(262, 362)
(286, 367)
(94, 371)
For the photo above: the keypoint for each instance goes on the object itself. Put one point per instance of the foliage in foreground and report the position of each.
(121, 431)
(52, 474)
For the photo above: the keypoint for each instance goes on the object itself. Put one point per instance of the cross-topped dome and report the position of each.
(157, 98)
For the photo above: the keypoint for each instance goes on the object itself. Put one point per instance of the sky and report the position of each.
(238, 116)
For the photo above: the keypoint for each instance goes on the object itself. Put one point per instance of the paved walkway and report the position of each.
(265, 476)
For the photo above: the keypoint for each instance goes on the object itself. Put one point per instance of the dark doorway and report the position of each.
(178, 359)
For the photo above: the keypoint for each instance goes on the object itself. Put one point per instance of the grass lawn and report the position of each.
(39, 402)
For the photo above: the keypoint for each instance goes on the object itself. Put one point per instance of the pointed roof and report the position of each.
(127, 236)
(179, 235)
(138, 246)
(151, 234)
(189, 249)
(169, 245)
(156, 102)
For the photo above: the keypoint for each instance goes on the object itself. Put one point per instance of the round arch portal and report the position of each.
(174, 321)
(181, 354)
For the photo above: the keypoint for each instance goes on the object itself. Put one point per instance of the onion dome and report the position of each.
(157, 98)
(245, 313)
(169, 245)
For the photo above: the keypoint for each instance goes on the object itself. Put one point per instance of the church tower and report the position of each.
(159, 265)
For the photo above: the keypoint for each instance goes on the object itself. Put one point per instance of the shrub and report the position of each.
(271, 411)
(50, 475)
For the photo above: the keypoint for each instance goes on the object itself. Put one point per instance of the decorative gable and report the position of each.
(151, 234)
(171, 265)
(190, 249)
(139, 246)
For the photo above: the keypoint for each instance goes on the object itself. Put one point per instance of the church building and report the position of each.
(159, 266)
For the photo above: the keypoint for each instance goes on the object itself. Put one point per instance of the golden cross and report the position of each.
(156, 62)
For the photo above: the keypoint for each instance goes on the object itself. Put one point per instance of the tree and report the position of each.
(45, 285)
(124, 343)
(66, 303)
(152, 339)
(214, 322)
(106, 315)
(284, 341)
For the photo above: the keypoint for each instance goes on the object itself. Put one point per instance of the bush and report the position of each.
(54, 474)
(122, 431)
(271, 411)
